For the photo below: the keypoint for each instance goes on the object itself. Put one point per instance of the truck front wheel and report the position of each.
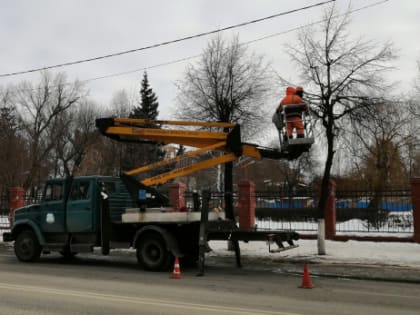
(27, 247)
(152, 253)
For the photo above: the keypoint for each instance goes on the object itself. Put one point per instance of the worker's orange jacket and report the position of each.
(291, 97)
(292, 120)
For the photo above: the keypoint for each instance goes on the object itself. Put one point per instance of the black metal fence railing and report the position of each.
(357, 211)
(388, 211)
(286, 211)
(217, 200)
(4, 205)
(27, 200)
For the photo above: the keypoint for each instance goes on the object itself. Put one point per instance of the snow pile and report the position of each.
(350, 252)
(4, 222)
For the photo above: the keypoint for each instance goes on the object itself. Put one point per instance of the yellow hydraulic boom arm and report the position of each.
(210, 136)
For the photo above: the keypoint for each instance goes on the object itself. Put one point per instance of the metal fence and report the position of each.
(370, 212)
(27, 200)
(358, 212)
(217, 200)
(4, 204)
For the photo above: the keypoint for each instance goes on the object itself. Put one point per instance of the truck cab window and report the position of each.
(80, 191)
(109, 187)
(54, 192)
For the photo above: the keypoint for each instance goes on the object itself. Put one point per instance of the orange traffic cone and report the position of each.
(177, 270)
(306, 279)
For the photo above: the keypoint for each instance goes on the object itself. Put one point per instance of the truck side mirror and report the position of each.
(104, 193)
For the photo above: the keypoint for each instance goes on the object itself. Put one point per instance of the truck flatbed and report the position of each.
(178, 217)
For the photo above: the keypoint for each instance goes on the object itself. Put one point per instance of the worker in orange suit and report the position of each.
(293, 120)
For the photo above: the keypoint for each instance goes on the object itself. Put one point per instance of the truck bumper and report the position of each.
(7, 237)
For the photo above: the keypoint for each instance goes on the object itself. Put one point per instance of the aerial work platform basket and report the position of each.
(294, 146)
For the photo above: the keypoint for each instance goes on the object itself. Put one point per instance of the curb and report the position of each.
(360, 272)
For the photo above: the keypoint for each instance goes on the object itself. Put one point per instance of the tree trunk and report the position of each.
(326, 177)
(321, 237)
(324, 192)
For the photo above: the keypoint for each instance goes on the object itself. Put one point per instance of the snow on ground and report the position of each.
(4, 221)
(350, 252)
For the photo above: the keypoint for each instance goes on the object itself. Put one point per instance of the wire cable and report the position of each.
(199, 55)
(242, 44)
(168, 42)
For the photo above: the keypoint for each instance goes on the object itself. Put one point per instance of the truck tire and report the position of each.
(152, 253)
(27, 248)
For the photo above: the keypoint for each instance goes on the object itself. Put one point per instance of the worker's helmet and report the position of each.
(290, 90)
(299, 91)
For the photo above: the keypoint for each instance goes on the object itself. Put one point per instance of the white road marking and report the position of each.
(378, 294)
(137, 300)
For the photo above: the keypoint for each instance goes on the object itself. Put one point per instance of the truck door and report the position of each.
(52, 208)
(80, 207)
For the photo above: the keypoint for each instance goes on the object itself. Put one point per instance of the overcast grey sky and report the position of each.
(47, 32)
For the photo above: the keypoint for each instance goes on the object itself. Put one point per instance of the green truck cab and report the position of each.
(78, 214)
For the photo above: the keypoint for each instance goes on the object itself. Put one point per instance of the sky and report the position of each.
(47, 32)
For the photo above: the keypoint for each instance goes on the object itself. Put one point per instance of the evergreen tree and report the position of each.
(145, 153)
(148, 105)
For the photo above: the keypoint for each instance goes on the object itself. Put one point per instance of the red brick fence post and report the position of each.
(247, 204)
(177, 196)
(415, 198)
(16, 200)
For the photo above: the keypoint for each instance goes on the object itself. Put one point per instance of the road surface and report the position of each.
(93, 284)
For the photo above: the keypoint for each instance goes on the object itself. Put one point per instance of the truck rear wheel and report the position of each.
(152, 253)
(27, 247)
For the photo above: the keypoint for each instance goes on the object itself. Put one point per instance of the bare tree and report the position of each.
(121, 105)
(382, 133)
(40, 109)
(229, 84)
(413, 152)
(340, 73)
(417, 82)
(76, 135)
(13, 156)
(105, 156)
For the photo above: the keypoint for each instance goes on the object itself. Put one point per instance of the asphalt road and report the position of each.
(92, 284)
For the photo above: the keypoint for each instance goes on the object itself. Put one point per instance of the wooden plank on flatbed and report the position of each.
(169, 217)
